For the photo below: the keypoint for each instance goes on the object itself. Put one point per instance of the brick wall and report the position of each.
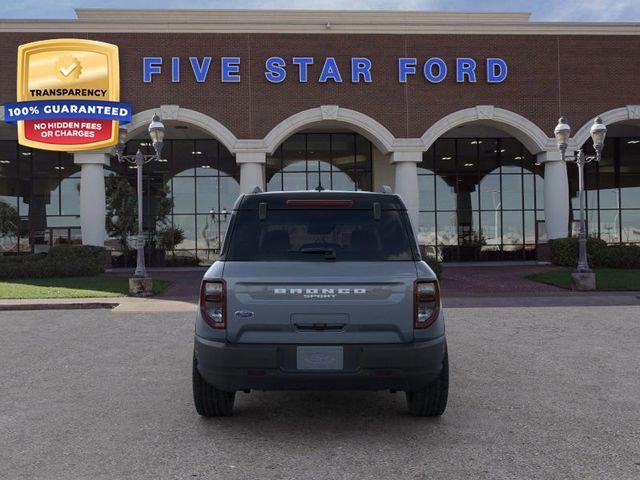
(578, 76)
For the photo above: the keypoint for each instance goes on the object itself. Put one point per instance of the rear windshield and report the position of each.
(319, 235)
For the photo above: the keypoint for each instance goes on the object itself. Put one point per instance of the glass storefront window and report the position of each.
(480, 199)
(294, 180)
(490, 193)
(530, 228)
(229, 193)
(630, 224)
(332, 161)
(207, 193)
(70, 195)
(188, 225)
(630, 190)
(8, 159)
(483, 193)
(512, 228)
(511, 155)
(274, 182)
(467, 192)
(612, 191)
(529, 191)
(445, 157)
(609, 226)
(182, 157)
(491, 225)
(183, 190)
(426, 187)
(512, 192)
(487, 159)
(445, 195)
(427, 230)
(294, 151)
(426, 166)
(338, 180)
(319, 152)
(447, 233)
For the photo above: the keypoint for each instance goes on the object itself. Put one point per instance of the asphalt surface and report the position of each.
(550, 392)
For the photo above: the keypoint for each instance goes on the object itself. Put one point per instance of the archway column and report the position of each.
(93, 208)
(406, 181)
(251, 170)
(556, 194)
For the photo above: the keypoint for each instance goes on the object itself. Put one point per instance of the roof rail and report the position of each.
(256, 189)
(385, 189)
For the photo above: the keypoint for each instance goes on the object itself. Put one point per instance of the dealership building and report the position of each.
(454, 111)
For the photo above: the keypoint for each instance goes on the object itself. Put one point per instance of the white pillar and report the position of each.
(556, 194)
(406, 182)
(251, 170)
(93, 208)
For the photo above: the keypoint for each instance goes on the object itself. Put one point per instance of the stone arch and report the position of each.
(622, 114)
(382, 138)
(527, 132)
(141, 120)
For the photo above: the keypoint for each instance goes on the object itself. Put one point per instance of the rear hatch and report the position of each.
(320, 268)
(313, 302)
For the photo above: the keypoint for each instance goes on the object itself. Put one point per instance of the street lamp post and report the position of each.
(583, 278)
(156, 133)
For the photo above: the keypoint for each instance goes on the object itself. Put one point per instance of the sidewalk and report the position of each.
(117, 304)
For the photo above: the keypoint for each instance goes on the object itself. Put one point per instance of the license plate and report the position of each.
(319, 358)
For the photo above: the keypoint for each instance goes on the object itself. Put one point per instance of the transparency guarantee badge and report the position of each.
(68, 95)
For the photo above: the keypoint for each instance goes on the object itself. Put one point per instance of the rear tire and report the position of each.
(432, 401)
(208, 400)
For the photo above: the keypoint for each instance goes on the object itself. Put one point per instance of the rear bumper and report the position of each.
(232, 367)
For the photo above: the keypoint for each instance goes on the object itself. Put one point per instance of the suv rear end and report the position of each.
(320, 290)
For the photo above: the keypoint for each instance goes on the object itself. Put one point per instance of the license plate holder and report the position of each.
(319, 358)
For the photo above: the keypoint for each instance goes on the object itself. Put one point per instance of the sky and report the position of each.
(542, 10)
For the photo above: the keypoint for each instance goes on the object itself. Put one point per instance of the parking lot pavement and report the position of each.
(549, 392)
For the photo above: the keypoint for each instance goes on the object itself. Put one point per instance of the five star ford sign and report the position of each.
(68, 94)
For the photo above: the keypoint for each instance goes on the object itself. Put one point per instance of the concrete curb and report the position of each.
(57, 306)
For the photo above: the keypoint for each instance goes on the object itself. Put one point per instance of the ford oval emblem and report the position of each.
(244, 314)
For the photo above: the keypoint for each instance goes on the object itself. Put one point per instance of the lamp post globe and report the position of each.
(598, 133)
(562, 133)
(122, 139)
(156, 133)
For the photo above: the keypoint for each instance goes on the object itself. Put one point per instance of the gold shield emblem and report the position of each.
(68, 69)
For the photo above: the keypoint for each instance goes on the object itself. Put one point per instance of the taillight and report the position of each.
(426, 299)
(213, 303)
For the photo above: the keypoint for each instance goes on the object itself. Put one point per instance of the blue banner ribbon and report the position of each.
(67, 109)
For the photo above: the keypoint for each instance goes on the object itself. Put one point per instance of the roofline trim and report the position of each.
(267, 15)
(310, 21)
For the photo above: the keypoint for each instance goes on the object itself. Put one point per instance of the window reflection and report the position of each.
(445, 195)
(490, 194)
(630, 221)
(330, 161)
(426, 187)
(612, 191)
(479, 199)
(630, 190)
(512, 192)
(200, 178)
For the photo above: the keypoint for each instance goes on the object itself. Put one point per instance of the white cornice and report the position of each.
(297, 16)
(323, 21)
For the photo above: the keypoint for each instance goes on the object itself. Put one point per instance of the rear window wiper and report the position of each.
(329, 253)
